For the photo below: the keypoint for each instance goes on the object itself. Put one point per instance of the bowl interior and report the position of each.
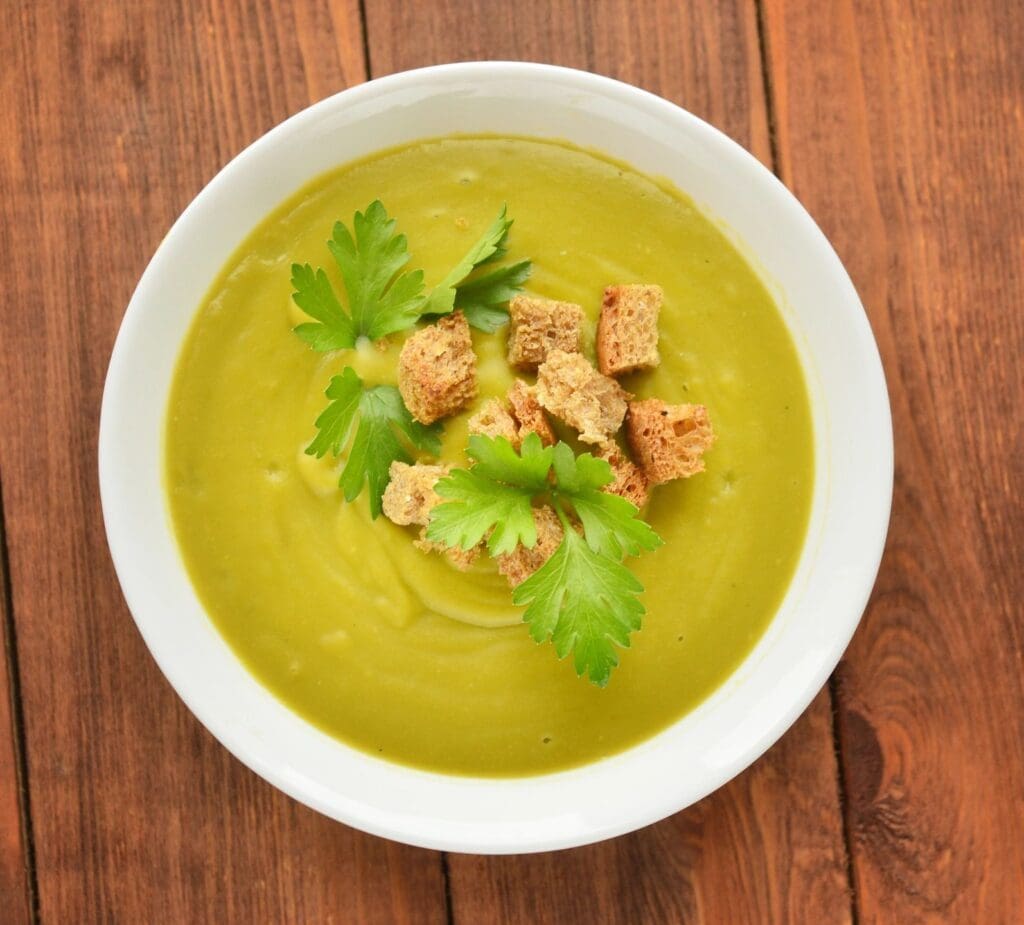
(853, 448)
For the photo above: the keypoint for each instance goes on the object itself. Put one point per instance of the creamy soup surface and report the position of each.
(392, 650)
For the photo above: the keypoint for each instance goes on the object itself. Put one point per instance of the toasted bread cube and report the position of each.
(493, 420)
(627, 331)
(538, 326)
(409, 499)
(668, 440)
(524, 416)
(630, 482)
(571, 389)
(410, 496)
(462, 559)
(521, 563)
(528, 414)
(437, 369)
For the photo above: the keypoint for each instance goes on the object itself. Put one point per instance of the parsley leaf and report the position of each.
(609, 522)
(315, 296)
(481, 506)
(497, 459)
(491, 246)
(335, 421)
(493, 497)
(583, 598)
(585, 602)
(383, 421)
(380, 301)
(482, 299)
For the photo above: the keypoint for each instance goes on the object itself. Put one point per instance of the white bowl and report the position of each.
(853, 446)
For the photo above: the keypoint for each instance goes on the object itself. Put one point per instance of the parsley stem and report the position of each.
(556, 503)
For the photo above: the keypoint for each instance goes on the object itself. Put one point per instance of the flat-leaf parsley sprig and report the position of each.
(380, 302)
(584, 599)
(384, 298)
(482, 298)
(383, 419)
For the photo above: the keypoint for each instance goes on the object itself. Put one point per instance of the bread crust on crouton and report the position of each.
(538, 326)
(528, 413)
(437, 369)
(521, 563)
(668, 440)
(410, 496)
(630, 482)
(494, 420)
(627, 331)
(572, 390)
(459, 558)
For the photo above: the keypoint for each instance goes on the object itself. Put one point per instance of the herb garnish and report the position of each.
(492, 246)
(381, 301)
(382, 417)
(583, 598)
(482, 299)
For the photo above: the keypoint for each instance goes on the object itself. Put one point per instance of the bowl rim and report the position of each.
(424, 832)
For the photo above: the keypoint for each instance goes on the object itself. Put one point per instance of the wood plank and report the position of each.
(768, 847)
(901, 126)
(15, 891)
(121, 111)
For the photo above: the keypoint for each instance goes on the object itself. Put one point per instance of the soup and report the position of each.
(392, 650)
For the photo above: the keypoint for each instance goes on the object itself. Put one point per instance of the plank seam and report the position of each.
(769, 90)
(844, 802)
(446, 875)
(17, 719)
(364, 24)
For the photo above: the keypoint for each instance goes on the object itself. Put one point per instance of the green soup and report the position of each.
(392, 650)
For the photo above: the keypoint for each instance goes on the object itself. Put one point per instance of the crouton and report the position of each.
(462, 559)
(521, 563)
(410, 496)
(528, 414)
(630, 482)
(409, 499)
(493, 420)
(571, 389)
(627, 331)
(538, 326)
(668, 440)
(437, 369)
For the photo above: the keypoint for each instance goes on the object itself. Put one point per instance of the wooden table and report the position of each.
(898, 797)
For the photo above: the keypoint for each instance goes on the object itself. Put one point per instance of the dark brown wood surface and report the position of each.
(901, 126)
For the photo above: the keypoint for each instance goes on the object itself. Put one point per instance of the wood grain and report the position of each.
(901, 126)
(120, 112)
(767, 848)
